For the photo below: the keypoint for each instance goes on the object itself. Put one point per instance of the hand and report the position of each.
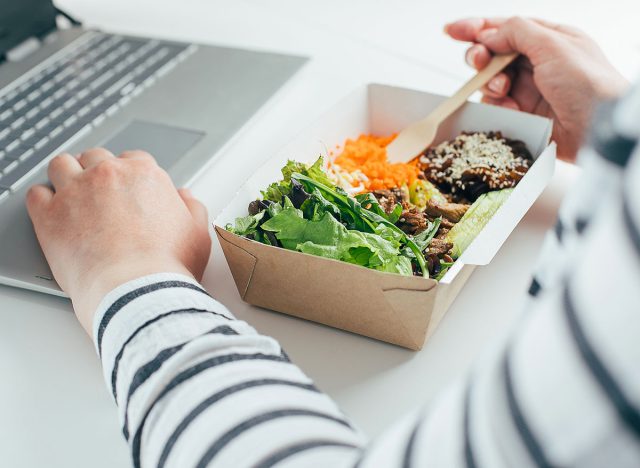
(111, 220)
(562, 72)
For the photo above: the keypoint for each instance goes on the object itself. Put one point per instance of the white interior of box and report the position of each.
(382, 110)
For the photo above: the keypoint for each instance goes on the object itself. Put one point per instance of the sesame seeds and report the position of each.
(475, 163)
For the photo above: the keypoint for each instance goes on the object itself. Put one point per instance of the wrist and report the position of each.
(98, 282)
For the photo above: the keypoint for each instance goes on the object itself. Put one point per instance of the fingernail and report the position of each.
(446, 28)
(497, 84)
(470, 57)
(486, 34)
(187, 192)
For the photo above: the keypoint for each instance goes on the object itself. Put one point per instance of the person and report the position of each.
(196, 387)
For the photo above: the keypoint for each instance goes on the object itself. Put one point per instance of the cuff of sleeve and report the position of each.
(143, 298)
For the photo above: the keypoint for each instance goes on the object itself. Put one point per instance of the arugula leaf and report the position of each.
(317, 205)
(423, 239)
(371, 203)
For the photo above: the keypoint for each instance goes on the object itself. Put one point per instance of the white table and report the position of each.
(54, 407)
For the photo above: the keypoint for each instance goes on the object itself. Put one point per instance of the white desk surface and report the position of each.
(54, 408)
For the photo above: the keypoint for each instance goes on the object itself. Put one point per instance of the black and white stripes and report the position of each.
(195, 387)
(171, 353)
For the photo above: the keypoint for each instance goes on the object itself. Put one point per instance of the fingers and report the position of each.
(530, 37)
(517, 34)
(478, 56)
(467, 29)
(137, 154)
(38, 197)
(197, 209)
(62, 169)
(498, 87)
(93, 156)
(507, 102)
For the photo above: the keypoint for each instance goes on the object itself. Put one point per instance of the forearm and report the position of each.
(194, 385)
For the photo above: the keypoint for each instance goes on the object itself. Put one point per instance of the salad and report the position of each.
(408, 219)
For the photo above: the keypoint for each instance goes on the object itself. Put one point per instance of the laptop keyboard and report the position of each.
(64, 98)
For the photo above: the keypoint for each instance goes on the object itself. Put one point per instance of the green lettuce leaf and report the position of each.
(326, 237)
(246, 225)
(356, 217)
(277, 190)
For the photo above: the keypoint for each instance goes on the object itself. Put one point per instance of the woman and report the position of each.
(195, 387)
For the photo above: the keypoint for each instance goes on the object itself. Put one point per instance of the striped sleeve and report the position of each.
(564, 389)
(196, 387)
(602, 162)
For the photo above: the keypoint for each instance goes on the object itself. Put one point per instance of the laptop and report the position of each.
(71, 88)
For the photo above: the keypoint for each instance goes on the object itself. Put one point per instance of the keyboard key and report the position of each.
(26, 155)
(10, 166)
(40, 144)
(33, 95)
(17, 153)
(46, 102)
(6, 114)
(12, 146)
(10, 180)
(27, 134)
(3, 164)
(42, 123)
(56, 113)
(70, 121)
(18, 122)
(19, 105)
(56, 131)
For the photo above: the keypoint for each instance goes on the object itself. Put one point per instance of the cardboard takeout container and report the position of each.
(389, 307)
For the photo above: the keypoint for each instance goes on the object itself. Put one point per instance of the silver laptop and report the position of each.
(66, 89)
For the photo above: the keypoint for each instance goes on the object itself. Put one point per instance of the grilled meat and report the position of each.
(388, 199)
(439, 247)
(450, 211)
(412, 221)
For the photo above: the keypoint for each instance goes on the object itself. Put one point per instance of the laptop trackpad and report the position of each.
(167, 144)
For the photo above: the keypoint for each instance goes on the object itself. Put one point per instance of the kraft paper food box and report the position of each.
(389, 307)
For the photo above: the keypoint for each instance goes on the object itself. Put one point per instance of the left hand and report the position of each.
(111, 220)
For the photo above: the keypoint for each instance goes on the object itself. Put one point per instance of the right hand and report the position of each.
(561, 75)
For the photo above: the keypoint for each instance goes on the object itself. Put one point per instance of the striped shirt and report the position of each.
(195, 387)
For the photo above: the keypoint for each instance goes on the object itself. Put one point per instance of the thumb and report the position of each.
(517, 34)
(197, 209)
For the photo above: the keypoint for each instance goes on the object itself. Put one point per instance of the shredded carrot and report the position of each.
(368, 154)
